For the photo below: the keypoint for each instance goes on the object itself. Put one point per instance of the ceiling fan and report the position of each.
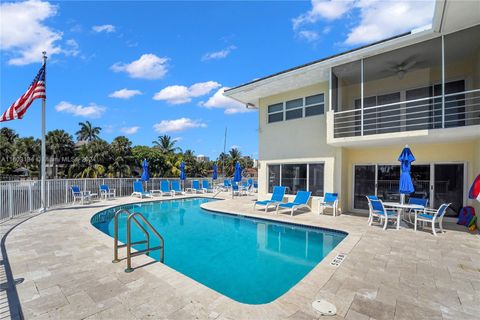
(400, 69)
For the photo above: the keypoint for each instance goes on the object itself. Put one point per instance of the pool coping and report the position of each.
(303, 292)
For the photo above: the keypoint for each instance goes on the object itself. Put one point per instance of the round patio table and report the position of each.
(399, 207)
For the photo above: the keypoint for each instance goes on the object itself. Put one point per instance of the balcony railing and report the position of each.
(461, 109)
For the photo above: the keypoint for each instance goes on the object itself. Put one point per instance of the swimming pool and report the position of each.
(250, 260)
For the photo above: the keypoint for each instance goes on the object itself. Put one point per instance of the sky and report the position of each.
(144, 69)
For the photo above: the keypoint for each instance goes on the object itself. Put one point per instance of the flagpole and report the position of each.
(43, 169)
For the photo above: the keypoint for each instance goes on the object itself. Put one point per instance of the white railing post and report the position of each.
(66, 191)
(30, 200)
(48, 193)
(443, 81)
(10, 200)
(361, 97)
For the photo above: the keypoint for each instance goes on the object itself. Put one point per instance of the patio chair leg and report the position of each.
(385, 225)
(415, 227)
(433, 228)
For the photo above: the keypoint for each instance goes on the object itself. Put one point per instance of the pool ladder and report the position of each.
(135, 217)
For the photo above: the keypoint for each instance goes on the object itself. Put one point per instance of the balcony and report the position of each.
(452, 116)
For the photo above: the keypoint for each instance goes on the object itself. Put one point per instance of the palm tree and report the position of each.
(27, 154)
(60, 147)
(234, 155)
(88, 132)
(7, 140)
(166, 144)
(91, 160)
(122, 159)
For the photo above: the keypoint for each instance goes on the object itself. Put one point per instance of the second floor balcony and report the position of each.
(428, 91)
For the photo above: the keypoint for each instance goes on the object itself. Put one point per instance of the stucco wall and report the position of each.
(296, 141)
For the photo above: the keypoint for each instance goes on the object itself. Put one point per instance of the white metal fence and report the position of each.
(21, 197)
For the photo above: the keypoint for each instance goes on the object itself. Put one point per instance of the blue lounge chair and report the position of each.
(277, 197)
(176, 188)
(206, 187)
(300, 201)
(82, 196)
(329, 201)
(106, 192)
(227, 185)
(377, 209)
(164, 188)
(432, 216)
(195, 187)
(138, 190)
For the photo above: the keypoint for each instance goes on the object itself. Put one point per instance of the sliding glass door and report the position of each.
(439, 183)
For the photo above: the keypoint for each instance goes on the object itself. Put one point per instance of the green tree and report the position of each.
(234, 155)
(157, 161)
(91, 160)
(60, 148)
(166, 144)
(122, 158)
(7, 141)
(26, 154)
(88, 132)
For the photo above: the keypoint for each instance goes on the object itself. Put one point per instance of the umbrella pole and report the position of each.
(402, 198)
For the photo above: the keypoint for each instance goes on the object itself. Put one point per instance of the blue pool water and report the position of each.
(250, 260)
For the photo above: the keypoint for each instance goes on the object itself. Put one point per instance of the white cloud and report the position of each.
(218, 54)
(148, 66)
(177, 125)
(218, 100)
(309, 35)
(383, 19)
(23, 33)
(129, 130)
(73, 48)
(379, 19)
(181, 94)
(327, 9)
(108, 28)
(91, 111)
(124, 93)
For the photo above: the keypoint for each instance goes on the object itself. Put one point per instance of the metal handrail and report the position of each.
(415, 100)
(161, 247)
(129, 244)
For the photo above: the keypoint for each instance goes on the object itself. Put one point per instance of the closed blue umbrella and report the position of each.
(237, 176)
(214, 175)
(406, 158)
(145, 176)
(183, 176)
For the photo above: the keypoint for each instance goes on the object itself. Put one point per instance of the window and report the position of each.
(275, 112)
(315, 179)
(294, 109)
(273, 176)
(314, 105)
(297, 108)
(296, 177)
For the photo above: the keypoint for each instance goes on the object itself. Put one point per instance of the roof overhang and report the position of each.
(449, 16)
(317, 71)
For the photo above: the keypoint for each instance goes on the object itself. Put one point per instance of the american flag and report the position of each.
(35, 91)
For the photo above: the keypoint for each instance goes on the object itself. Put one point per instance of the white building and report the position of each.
(338, 124)
(202, 158)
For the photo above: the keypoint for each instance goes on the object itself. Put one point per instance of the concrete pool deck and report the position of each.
(66, 266)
